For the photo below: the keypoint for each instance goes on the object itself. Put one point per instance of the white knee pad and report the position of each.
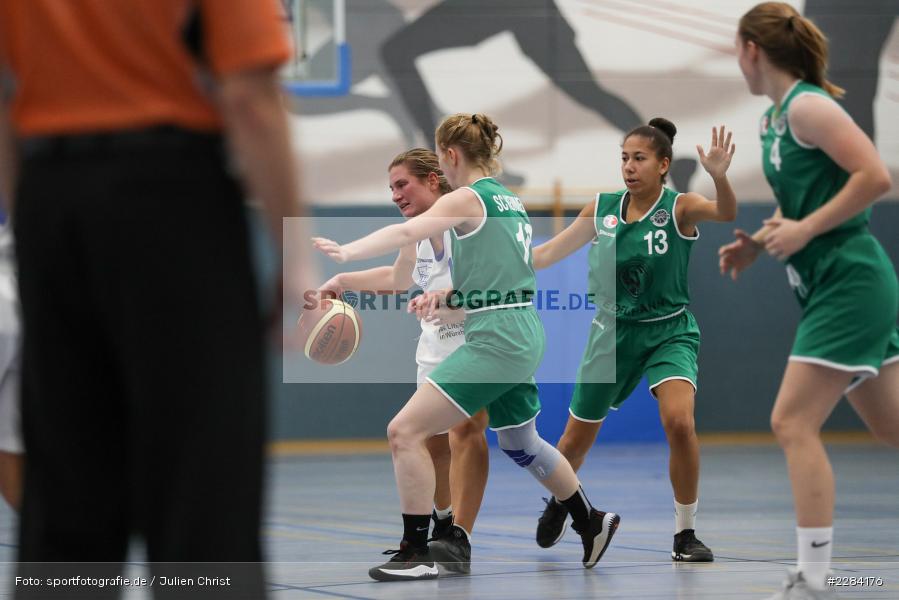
(529, 450)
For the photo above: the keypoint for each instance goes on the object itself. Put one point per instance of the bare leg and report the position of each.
(439, 449)
(428, 412)
(468, 470)
(11, 467)
(877, 402)
(676, 410)
(807, 396)
(576, 441)
(563, 482)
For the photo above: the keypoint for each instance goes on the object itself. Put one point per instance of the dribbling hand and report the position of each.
(425, 305)
(332, 285)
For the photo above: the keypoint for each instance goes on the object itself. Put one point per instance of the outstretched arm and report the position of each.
(693, 208)
(457, 208)
(820, 122)
(387, 279)
(573, 237)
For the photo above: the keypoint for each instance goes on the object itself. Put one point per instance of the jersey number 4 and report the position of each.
(524, 235)
(774, 156)
(661, 237)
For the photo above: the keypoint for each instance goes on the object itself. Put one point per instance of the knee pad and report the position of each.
(523, 445)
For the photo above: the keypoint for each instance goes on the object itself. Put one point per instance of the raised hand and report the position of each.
(738, 255)
(334, 250)
(721, 151)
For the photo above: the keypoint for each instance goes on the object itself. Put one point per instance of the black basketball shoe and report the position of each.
(552, 523)
(597, 535)
(407, 564)
(688, 549)
(453, 551)
(441, 526)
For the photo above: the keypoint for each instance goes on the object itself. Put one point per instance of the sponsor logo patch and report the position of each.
(780, 124)
(635, 276)
(660, 218)
(610, 221)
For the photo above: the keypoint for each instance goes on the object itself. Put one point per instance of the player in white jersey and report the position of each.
(460, 456)
(432, 272)
(11, 449)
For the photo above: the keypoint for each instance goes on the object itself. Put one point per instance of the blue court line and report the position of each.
(515, 537)
(545, 571)
(536, 572)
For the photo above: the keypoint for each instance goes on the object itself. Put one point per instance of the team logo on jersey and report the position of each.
(635, 276)
(423, 271)
(780, 124)
(660, 217)
(764, 125)
(795, 280)
(610, 221)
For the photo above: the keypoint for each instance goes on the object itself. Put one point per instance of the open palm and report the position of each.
(721, 151)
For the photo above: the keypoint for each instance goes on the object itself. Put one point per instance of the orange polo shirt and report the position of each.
(100, 65)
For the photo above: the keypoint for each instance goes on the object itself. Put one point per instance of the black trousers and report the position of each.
(143, 379)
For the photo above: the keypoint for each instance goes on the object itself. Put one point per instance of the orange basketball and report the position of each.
(330, 332)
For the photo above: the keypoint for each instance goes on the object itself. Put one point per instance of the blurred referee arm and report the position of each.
(8, 161)
(258, 130)
(257, 127)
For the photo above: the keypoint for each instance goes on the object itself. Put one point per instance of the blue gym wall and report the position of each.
(747, 328)
(563, 81)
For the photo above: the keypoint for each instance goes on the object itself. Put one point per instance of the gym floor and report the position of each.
(330, 516)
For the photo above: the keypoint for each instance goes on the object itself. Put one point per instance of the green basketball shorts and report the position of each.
(662, 350)
(850, 299)
(495, 366)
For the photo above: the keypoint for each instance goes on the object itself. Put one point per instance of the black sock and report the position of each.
(415, 529)
(578, 507)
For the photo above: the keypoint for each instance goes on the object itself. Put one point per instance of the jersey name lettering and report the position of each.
(504, 203)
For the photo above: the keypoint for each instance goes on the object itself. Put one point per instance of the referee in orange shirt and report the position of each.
(143, 401)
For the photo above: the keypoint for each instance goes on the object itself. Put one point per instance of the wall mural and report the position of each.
(564, 79)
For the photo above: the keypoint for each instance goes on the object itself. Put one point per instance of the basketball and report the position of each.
(330, 333)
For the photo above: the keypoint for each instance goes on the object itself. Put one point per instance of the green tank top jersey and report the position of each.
(651, 260)
(802, 177)
(492, 266)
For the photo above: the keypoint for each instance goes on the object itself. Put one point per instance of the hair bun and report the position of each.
(489, 129)
(665, 125)
(485, 123)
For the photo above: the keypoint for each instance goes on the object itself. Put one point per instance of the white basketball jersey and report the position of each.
(432, 272)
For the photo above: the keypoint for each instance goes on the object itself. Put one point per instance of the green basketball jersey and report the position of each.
(802, 177)
(492, 266)
(649, 281)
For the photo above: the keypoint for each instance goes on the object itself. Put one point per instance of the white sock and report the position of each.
(446, 512)
(815, 549)
(685, 516)
(467, 535)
